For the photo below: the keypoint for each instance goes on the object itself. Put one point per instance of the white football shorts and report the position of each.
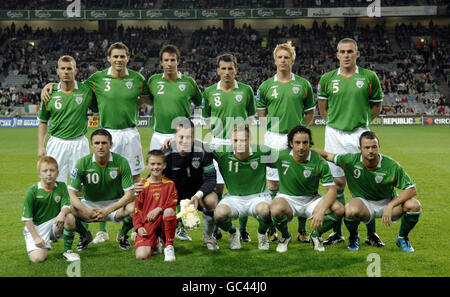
(67, 152)
(302, 206)
(47, 231)
(242, 206)
(158, 139)
(127, 143)
(341, 142)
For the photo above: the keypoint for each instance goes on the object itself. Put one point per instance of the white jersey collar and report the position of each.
(75, 86)
(178, 75)
(110, 157)
(339, 70)
(235, 85)
(110, 71)
(292, 77)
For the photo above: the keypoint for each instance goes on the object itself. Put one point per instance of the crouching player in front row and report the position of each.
(371, 179)
(244, 173)
(300, 171)
(154, 214)
(46, 214)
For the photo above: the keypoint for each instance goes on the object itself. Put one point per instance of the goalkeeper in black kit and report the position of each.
(190, 166)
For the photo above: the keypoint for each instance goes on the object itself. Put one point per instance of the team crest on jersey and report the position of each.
(196, 162)
(113, 174)
(57, 199)
(295, 90)
(129, 84)
(182, 87)
(254, 165)
(378, 179)
(79, 99)
(238, 97)
(156, 195)
(73, 173)
(359, 84)
(307, 173)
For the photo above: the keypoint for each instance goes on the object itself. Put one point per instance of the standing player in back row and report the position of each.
(228, 103)
(66, 111)
(287, 100)
(350, 98)
(171, 96)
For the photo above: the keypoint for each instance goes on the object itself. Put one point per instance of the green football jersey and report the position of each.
(243, 177)
(42, 206)
(66, 113)
(286, 103)
(373, 183)
(349, 98)
(302, 178)
(227, 109)
(171, 100)
(117, 98)
(102, 183)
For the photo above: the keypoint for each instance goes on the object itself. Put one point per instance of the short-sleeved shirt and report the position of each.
(243, 177)
(302, 178)
(42, 206)
(286, 102)
(102, 182)
(171, 100)
(117, 98)
(66, 113)
(373, 183)
(227, 109)
(349, 98)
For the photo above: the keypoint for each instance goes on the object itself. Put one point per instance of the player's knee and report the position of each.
(351, 212)
(263, 210)
(412, 205)
(276, 209)
(141, 255)
(338, 209)
(70, 221)
(210, 201)
(38, 256)
(220, 214)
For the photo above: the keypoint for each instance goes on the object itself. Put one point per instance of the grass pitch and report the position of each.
(422, 151)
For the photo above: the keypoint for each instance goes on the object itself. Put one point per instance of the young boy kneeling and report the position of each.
(154, 214)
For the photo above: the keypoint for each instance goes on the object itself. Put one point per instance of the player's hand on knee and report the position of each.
(386, 219)
(39, 242)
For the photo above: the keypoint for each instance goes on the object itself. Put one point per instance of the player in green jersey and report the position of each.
(349, 98)
(243, 199)
(107, 188)
(66, 111)
(372, 179)
(300, 170)
(228, 103)
(284, 101)
(171, 95)
(46, 214)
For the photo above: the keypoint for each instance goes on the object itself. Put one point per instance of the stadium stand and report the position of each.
(412, 62)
